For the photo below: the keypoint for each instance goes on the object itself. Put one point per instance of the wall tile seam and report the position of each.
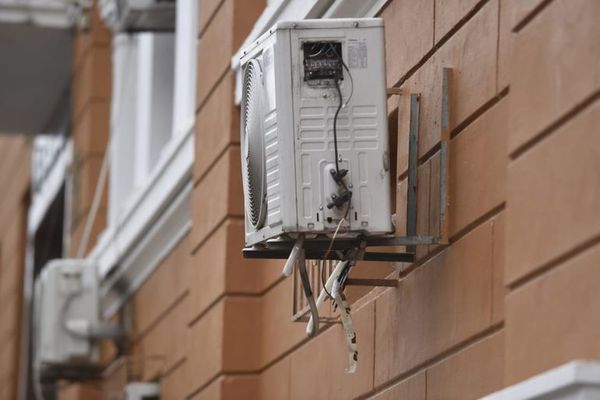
(433, 26)
(7, 338)
(198, 316)
(213, 231)
(80, 161)
(216, 379)
(472, 10)
(213, 88)
(9, 164)
(159, 318)
(498, 35)
(426, 365)
(77, 66)
(555, 125)
(462, 22)
(11, 304)
(555, 264)
(79, 157)
(211, 166)
(19, 241)
(288, 352)
(15, 188)
(7, 345)
(305, 339)
(76, 121)
(164, 368)
(10, 301)
(531, 16)
(481, 220)
(191, 393)
(372, 295)
(21, 196)
(480, 111)
(15, 257)
(7, 301)
(174, 368)
(210, 19)
(78, 111)
(493, 268)
(487, 217)
(12, 333)
(466, 123)
(7, 254)
(81, 217)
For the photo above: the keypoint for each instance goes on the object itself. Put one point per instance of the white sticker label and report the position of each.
(357, 53)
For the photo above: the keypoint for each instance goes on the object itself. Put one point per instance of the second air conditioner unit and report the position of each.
(66, 308)
(67, 326)
(311, 90)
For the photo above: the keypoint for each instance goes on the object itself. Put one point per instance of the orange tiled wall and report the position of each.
(15, 167)
(90, 116)
(513, 295)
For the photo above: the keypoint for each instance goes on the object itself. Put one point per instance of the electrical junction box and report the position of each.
(291, 113)
(66, 306)
(138, 15)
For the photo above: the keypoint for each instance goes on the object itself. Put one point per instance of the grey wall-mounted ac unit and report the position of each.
(138, 15)
(314, 135)
(66, 320)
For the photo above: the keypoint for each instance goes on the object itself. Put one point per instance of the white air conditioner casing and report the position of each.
(287, 140)
(66, 297)
(138, 15)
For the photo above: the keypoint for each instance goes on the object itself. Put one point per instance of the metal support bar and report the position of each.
(371, 282)
(402, 240)
(413, 160)
(282, 254)
(444, 156)
(316, 248)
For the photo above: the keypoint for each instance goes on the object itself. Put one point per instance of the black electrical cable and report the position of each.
(335, 146)
(335, 117)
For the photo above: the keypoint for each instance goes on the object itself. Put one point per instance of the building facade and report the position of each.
(512, 295)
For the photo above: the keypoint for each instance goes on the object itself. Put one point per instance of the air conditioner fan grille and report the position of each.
(253, 145)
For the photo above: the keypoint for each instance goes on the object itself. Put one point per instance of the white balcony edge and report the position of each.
(155, 245)
(577, 380)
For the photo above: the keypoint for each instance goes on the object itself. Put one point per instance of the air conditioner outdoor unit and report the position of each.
(66, 317)
(138, 15)
(314, 137)
(142, 391)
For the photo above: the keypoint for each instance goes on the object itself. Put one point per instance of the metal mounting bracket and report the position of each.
(322, 249)
(316, 249)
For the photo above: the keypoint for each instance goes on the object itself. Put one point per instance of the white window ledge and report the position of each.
(155, 220)
(49, 188)
(577, 380)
